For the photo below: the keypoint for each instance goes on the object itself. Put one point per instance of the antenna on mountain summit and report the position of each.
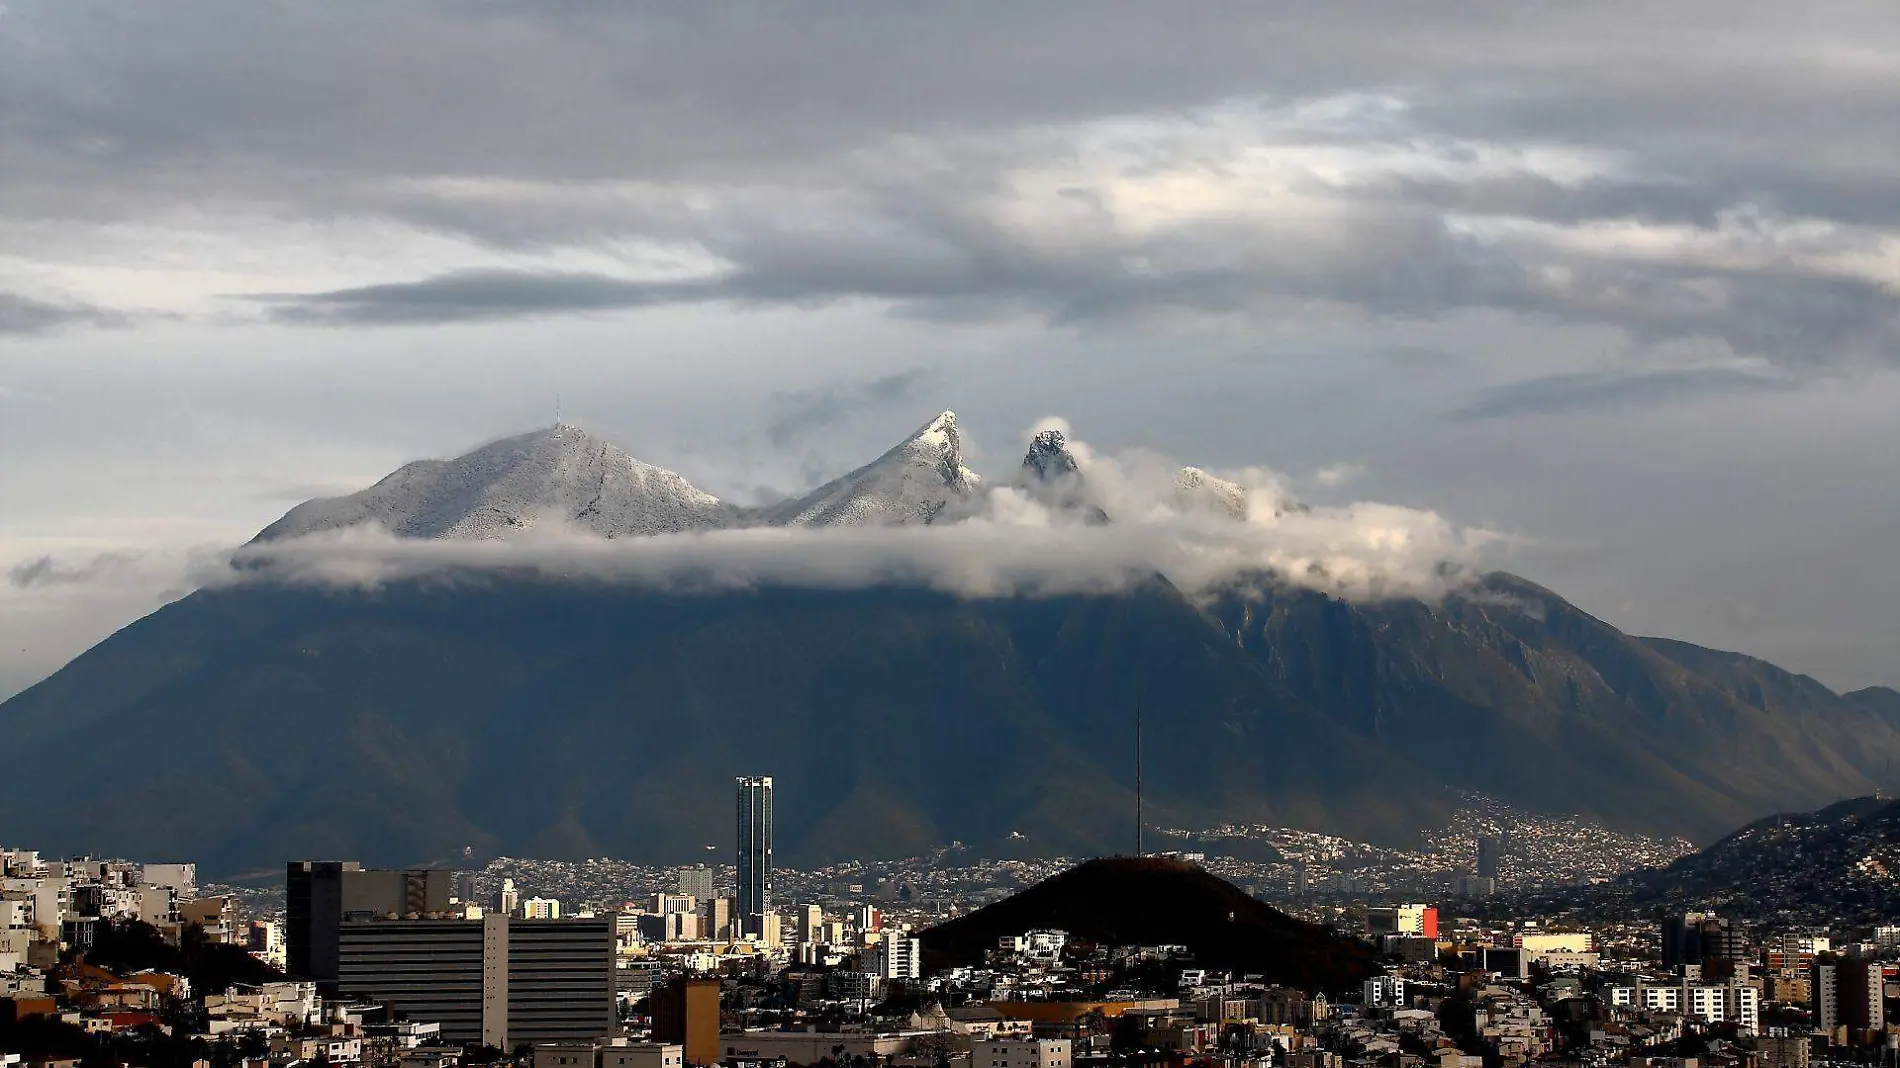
(557, 409)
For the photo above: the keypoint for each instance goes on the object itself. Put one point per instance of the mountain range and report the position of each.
(545, 715)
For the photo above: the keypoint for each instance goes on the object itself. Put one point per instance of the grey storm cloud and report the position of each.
(811, 154)
(465, 296)
(1606, 390)
(25, 315)
(46, 571)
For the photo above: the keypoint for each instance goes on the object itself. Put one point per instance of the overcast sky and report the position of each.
(1622, 280)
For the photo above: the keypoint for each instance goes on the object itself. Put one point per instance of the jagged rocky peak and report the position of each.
(920, 480)
(1049, 458)
(559, 475)
(1051, 476)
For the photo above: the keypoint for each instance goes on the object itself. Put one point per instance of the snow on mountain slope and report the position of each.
(561, 474)
(920, 480)
(1196, 490)
(1052, 476)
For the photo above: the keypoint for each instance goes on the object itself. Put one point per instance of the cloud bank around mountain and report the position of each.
(1006, 542)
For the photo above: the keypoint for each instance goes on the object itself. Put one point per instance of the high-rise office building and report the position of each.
(696, 882)
(755, 853)
(811, 923)
(718, 915)
(896, 956)
(500, 981)
(320, 895)
(1701, 937)
(1487, 857)
(1849, 992)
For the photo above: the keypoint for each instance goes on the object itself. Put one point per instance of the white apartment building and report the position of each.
(897, 956)
(1385, 992)
(1020, 1053)
(1726, 1003)
(541, 908)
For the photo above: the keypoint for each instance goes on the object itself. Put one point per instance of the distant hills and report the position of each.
(1150, 901)
(540, 715)
(1840, 863)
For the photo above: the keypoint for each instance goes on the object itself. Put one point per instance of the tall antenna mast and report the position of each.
(1140, 845)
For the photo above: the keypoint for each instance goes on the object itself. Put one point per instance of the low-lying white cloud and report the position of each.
(1008, 543)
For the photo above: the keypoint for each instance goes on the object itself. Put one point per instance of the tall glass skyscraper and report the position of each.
(755, 852)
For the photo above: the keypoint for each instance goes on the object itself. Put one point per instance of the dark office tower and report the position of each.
(320, 894)
(313, 909)
(1701, 937)
(1487, 857)
(1681, 940)
(755, 853)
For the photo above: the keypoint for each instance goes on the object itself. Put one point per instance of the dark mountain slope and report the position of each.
(1510, 690)
(247, 725)
(1121, 901)
(1879, 701)
(1839, 863)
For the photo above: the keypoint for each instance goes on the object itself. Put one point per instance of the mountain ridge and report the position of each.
(1837, 863)
(378, 721)
(510, 485)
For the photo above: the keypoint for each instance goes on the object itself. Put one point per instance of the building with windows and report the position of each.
(754, 853)
(320, 895)
(541, 908)
(686, 1013)
(1403, 919)
(499, 980)
(608, 1055)
(1849, 992)
(896, 956)
(1385, 992)
(696, 882)
(1020, 1053)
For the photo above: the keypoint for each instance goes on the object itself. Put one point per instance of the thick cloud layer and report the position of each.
(1703, 174)
(1009, 544)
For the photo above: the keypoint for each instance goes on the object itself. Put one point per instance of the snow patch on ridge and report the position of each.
(505, 488)
(918, 482)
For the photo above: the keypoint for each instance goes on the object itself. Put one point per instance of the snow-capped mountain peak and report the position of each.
(1196, 490)
(560, 474)
(1051, 475)
(1049, 458)
(918, 481)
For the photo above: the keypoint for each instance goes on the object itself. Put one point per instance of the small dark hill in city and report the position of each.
(1123, 901)
(1840, 862)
